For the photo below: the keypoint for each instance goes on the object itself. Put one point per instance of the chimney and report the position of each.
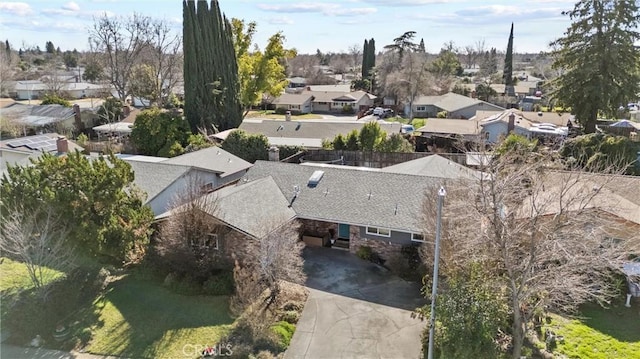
(62, 145)
(77, 118)
(512, 123)
(274, 154)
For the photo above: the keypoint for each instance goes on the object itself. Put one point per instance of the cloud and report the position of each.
(16, 8)
(493, 13)
(394, 3)
(326, 9)
(280, 20)
(71, 6)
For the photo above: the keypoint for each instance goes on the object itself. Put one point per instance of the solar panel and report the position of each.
(16, 143)
(49, 148)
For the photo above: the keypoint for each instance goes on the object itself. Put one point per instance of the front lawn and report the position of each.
(140, 319)
(14, 276)
(601, 334)
(272, 115)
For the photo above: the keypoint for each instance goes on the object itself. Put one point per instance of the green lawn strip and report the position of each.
(602, 334)
(141, 319)
(15, 277)
(272, 115)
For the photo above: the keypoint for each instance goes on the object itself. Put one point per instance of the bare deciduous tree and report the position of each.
(545, 234)
(187, 238)
(120, 40)
(36, 240)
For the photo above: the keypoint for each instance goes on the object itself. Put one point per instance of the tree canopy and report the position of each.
(599, 60)
(102, 211)
(212, 101)
(160, 133)
(261, 73)
(507, 74)
(248, 147)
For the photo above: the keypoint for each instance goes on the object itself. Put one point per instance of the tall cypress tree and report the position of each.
(508, 61)
(210, 69)
(365, 60)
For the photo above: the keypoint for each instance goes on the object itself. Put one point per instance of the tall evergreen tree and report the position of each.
(7, 47)
(212, 99)
(50, 48)
(507, 75)
(601, 65)
(421, 47)
(365, 60)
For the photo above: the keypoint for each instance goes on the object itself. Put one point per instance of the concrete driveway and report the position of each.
(355, 310)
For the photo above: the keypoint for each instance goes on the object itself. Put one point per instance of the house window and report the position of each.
(294, 107)
(416, 237)
(379, 231)
(421, 108)
(212, 241)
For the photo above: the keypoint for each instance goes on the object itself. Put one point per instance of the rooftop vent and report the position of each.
(315, 178)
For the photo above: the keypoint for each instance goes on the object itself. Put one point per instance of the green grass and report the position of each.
(272, 115)
(602, 334)
(140, 319)
(15, 277)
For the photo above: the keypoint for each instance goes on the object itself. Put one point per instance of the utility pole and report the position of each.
(434, 288)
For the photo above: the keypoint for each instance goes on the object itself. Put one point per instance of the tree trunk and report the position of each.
(518, 327)
(589, 125)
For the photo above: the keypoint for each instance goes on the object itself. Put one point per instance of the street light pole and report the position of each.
(434, 288)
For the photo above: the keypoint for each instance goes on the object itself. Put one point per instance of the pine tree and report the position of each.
(421, 47)
(599, 60)
(210, 69)
(50, 48)
(508, 61)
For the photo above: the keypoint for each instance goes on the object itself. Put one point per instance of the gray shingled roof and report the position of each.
(319, 129)
(450, 102)
(154, 177)
(255, 208)
(36, 115)
(292, 99)
(434, 166)
(212, 159)
(345, 195)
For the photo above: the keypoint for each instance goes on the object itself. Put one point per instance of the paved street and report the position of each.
(355, 310)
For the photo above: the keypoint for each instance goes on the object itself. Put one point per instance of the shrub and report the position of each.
(364, 252)
(347, 109)
(285, 332)
(53, 99)
(290, 316)
(281, 111)
(219, 284)
(442, 114)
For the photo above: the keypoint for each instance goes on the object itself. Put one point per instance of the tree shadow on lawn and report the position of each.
(618, 321)
(142, 319)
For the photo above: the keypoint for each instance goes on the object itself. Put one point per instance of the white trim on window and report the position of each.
(213, 241)
(417, 237)
(383, 232)
(421, 108)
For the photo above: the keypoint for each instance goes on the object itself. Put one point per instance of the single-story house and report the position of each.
(312, 100)
(491, 129)
(307, 133)
(455, 105)
(243, 215)
(350, 206)
(434, 166)
(18, 151)
(39, 117)
(561, 119)
(34, 89)
(298, 102)
(329, 101)
(163, 180)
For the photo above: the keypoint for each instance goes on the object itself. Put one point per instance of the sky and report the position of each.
(328, 25)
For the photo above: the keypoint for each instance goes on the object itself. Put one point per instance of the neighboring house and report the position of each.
(434, 166)
(455, 105)
(34, 89)
(164, 180)
(561, 119)
(445, 128)
(296, 103)
(19, 151)
(297, 82)
(325, 101)
(350, 206)
(491, 129)
(40, 118)
(306, 133)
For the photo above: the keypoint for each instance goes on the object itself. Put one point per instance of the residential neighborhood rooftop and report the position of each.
(213, 159)
(36, 115)
(434, 166)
